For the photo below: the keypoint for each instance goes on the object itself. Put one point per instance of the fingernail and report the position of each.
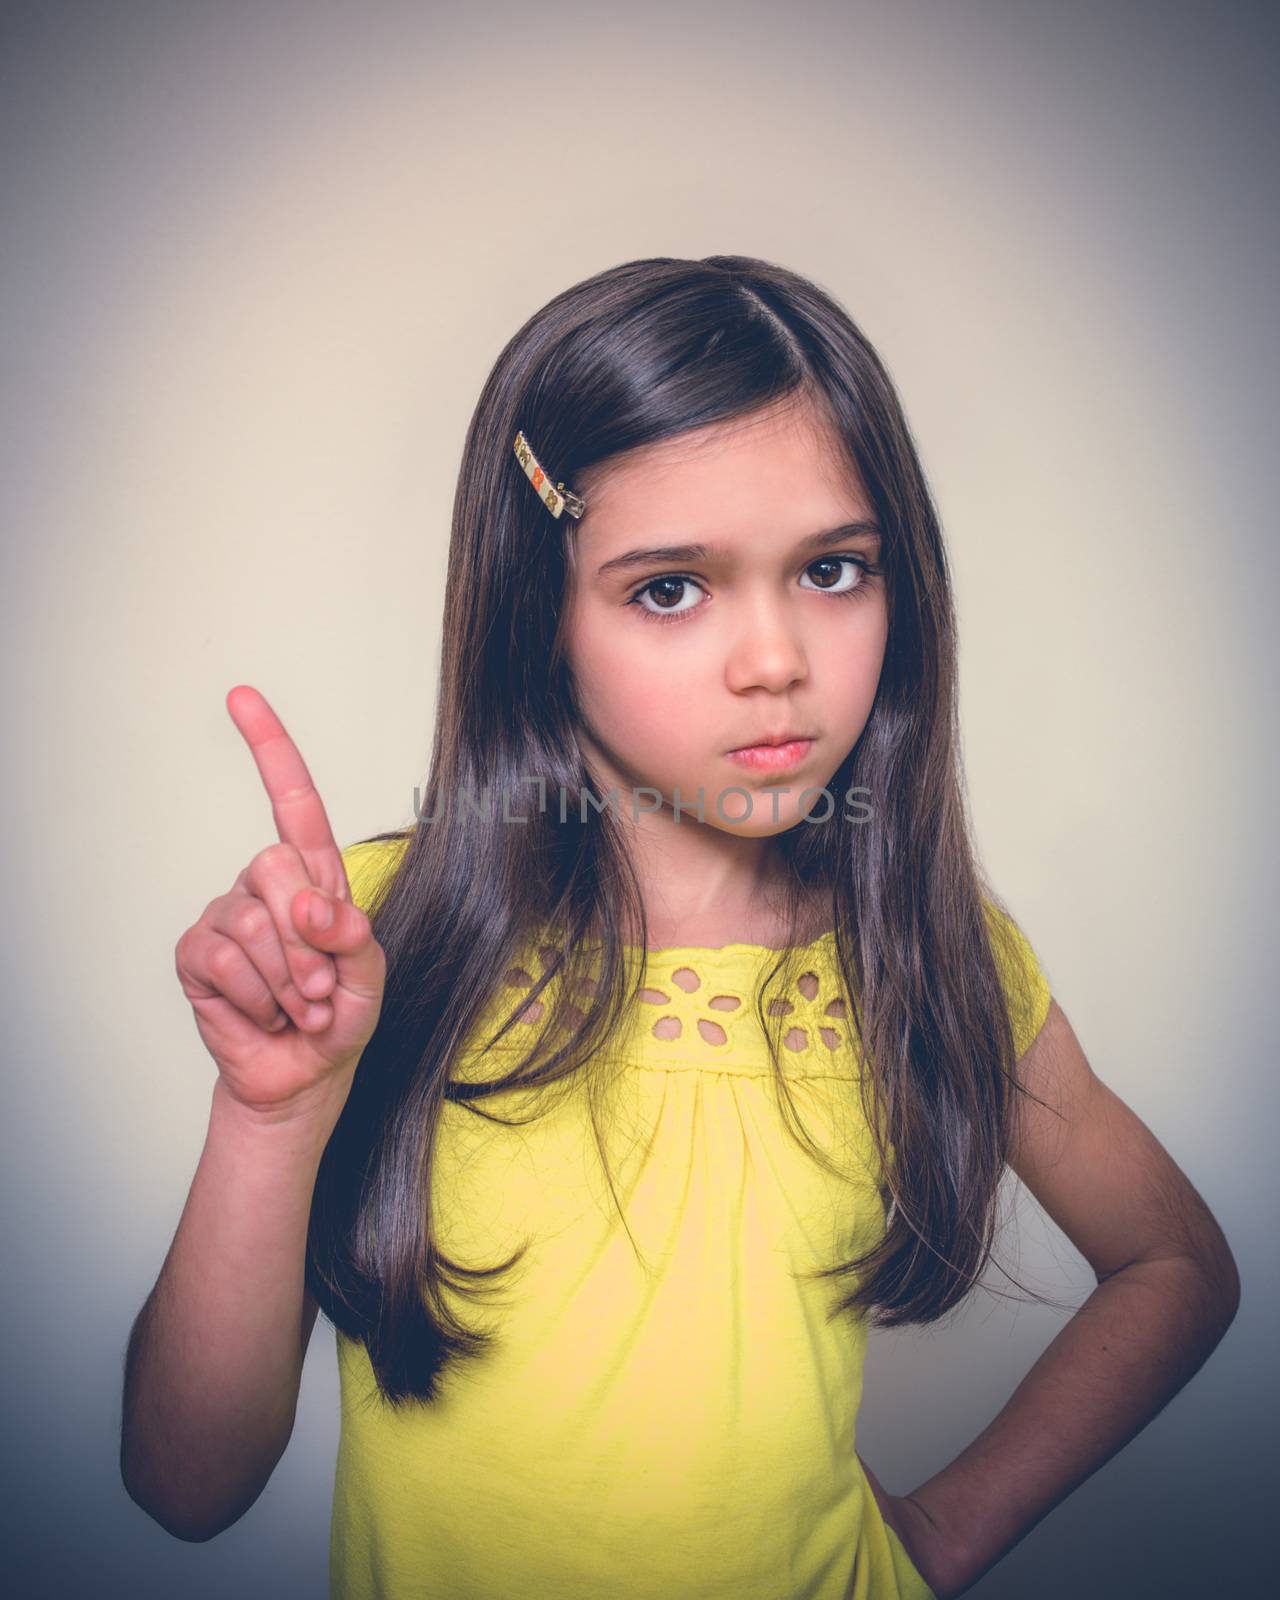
(316, 983)
(317, 1016)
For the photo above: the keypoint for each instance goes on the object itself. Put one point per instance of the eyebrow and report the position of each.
(674, 554)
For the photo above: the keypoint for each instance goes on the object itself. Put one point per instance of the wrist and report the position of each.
(306, 1119)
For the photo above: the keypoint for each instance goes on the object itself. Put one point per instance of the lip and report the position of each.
(783, 736)
(774, 756)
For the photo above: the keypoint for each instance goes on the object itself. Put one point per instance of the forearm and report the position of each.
(1132, 1345)
(215, 1357)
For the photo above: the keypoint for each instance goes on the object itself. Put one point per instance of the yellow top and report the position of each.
(676, 1426)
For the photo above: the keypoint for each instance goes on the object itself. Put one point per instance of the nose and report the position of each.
(767, 650)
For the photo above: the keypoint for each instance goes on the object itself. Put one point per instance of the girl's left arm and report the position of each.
(1167, 1291)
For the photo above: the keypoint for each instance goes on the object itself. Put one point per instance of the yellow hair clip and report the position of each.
(555, 499)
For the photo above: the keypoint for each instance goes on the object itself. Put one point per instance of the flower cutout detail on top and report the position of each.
(819, 1014)
(702, 1004)
(696, 1008)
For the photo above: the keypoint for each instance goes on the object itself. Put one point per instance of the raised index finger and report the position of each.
(299, 813)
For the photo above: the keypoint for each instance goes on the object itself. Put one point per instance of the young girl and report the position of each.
(604, 1108)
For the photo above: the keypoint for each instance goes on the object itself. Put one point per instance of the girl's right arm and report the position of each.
(214, 1362)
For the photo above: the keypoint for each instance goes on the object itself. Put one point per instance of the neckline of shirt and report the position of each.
(736, 951)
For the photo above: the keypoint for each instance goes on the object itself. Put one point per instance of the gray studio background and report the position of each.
(258, 259)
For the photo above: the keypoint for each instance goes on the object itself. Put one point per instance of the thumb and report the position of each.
(342, 930)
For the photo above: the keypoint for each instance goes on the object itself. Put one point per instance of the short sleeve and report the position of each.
(1026, 988)
(370, 867)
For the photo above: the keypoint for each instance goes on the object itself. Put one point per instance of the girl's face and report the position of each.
(718, 599)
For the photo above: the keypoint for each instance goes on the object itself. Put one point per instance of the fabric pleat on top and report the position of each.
(667, 1410)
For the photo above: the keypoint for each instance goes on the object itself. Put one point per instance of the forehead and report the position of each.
(781, 465)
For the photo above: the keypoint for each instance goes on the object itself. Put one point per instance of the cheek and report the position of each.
(636, 699)
(860, 679)
(847, 674)
(636, 707)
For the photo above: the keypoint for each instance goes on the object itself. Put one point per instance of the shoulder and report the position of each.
(1022, 977)
(371, 864)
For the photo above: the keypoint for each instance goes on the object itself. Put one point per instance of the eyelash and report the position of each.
(869, 571)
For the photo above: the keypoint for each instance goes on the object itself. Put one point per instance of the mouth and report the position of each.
(774, 754)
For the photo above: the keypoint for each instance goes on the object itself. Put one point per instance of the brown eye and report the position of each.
(664, 590)
(829, 567)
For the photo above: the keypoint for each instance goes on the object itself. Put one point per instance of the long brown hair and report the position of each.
(635, 354)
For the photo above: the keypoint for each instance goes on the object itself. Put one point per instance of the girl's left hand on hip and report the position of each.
(931, 1553)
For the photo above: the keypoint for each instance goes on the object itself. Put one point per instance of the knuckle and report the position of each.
(252, 921)
(191, 945)
(273, 859)
(223, 962)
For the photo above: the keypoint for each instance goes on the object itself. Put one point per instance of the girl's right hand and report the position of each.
(285, 1007)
